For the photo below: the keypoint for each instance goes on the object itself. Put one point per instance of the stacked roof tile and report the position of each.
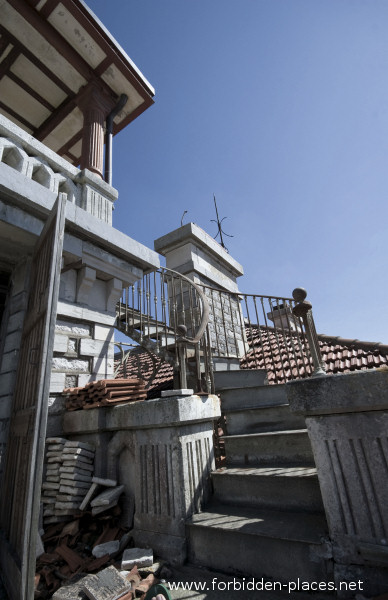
(272, 352)
(156, 373)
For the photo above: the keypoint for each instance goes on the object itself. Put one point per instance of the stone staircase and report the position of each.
(266, 518)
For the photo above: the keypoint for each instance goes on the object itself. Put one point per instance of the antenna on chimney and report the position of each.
(218, 222)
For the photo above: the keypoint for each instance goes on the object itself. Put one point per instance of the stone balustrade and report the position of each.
(37, 162)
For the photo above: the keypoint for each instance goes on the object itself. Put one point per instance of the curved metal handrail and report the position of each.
(155, 311)
(205, 307)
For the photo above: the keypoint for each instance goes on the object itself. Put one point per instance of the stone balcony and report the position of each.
(37, 162)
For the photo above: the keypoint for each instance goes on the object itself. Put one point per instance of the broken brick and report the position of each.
(73, 559)
(97, 563)
(145, 585)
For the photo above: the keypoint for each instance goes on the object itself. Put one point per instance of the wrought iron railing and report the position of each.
(267, 332)
(196, 327)
(168, 314)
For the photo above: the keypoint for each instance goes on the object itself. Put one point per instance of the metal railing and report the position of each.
(168, 314)
(265, 332)
(194, 327)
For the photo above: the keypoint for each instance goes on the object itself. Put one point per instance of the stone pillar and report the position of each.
(347, 421)
(194, 253)
(95, 105)
(162, 452)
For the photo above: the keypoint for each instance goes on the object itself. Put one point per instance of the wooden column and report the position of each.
(95, 105)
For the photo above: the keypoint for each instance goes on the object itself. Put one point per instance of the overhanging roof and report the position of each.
(50, 50)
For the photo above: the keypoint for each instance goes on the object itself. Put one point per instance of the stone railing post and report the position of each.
(304, 311)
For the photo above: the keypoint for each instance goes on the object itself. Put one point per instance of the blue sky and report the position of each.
(279, 108)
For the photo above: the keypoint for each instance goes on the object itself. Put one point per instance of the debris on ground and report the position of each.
(85, 548)
(106, 392)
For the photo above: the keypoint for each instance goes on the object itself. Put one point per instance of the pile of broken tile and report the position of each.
(89, 558)
(106, 392)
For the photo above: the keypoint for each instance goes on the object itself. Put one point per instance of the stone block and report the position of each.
(103, 333)
(54, 447)
(108, 496)
(60, 343)
(70, 592)
(106, 548)
(56, 440)
(57, 383)
(100, 509)
(176, 393)
(77, 484)
(50, 486)
(141, 557)
(54, 453)
(74, 329)
(83, 445)
(68, 498)
(106, 585)
(48, 499)
(105, 482)
(66, 505)
(78, 461)
(76, 477)
(75, 468)
(70, 365)
(90, 347)
(67, 489)
(76, 453)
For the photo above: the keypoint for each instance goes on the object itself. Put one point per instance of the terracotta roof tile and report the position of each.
(157, 374)
(276, 355)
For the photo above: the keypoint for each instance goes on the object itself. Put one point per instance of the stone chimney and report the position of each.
(283, 318)
(194, 253)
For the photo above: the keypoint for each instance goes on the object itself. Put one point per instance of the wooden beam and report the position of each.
(30, 91)
(31, 57)
(65, 149)
(8, 62)
(53, 120)
(15, 115)
(53, 37)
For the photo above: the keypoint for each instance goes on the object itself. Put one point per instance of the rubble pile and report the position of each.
(106, 392)
(89, 557)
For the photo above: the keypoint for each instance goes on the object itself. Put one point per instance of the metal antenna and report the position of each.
(218, 223)
(182, 218)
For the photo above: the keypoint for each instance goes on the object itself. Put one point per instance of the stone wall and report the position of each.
(347, 419)
(12, 331)
(162, 452)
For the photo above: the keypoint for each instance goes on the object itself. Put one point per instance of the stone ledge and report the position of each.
(353, 392)
(191, 232)
(149, 414)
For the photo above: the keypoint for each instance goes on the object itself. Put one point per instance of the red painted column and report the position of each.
(95, 105)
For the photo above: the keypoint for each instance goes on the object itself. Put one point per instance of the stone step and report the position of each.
(259, 543)
(252, 396)
(288, 488)
(275, 417)
(243, 378)
(279, 448)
